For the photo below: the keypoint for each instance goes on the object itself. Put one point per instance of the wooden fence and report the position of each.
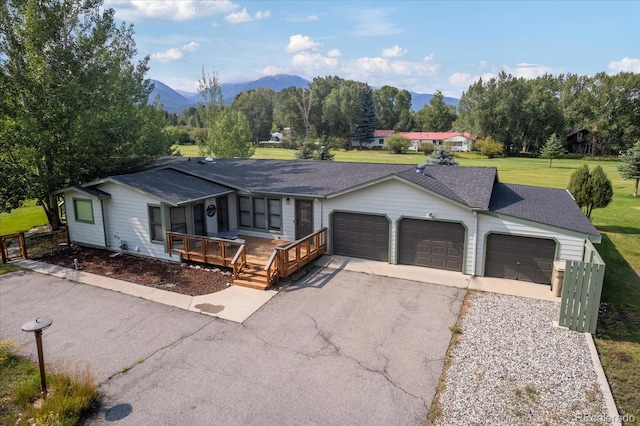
(581, 290)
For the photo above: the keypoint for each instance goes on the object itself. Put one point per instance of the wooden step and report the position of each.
(253, 278)
(250, 284)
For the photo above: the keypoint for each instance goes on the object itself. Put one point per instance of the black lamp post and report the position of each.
(37, 326)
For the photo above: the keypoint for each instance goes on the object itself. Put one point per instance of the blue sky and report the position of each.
(421, 46)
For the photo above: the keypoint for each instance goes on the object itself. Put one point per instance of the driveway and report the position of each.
(336, 348)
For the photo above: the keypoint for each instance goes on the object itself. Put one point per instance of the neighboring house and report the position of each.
(454, 141)
(445, 217)
(578, 142)
(379, 137)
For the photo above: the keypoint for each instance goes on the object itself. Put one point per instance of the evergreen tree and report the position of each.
(591, 190)
(363, 132)
(553, 148)
(630, 168)
(441, 157)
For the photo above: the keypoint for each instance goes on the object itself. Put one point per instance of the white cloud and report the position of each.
(461, 79)
(176, 53)
(334, 53)
(483, 64)
(239, 17)
(313, 61)
(299, 18)
(625, 65)
(527, 71)
(169, 10)
(393, 52)
(298, 43)
(273, 70)
(244, 16)
(374, 22)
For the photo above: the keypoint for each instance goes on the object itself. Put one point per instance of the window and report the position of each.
(260, 213)
(259, 210)
(275, 214)
(155, 224)
(178, 217)
(244, 207)
(83, 210)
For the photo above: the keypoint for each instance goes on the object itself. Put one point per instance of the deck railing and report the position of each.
(239, 261)
(211, 250)
(295, 255)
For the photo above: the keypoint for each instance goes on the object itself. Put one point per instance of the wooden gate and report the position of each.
(581, 290)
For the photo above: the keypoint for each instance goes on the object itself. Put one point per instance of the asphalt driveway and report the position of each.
(337, 348)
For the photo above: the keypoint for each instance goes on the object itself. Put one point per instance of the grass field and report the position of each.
(618, 333)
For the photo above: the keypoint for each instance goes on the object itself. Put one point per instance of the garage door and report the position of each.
(430, 243)
(520, 258)
(361, 235)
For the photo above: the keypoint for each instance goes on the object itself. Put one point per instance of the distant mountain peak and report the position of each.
(177, 101)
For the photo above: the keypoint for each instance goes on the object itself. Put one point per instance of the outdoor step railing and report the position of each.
(295, 255)
(239, 261)
(4, 245)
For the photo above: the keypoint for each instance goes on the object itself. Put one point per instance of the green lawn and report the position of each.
(618, 333)
(22, 219)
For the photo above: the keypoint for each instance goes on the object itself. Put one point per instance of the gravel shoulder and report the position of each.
(510, 365)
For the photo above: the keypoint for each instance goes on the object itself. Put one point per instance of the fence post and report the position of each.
(23, 245)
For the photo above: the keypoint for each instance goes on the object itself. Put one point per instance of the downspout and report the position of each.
(104, 224)
(475, 245)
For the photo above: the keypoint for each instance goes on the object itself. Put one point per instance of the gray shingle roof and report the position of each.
(95, 192)
(172, 186)
(301, 177)
(470, 186)
(548, 206)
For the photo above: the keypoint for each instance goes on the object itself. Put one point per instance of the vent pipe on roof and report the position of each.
(420, 169)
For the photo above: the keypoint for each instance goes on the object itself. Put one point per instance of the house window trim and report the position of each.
(268, 214)
(75, 210)
(159, 207)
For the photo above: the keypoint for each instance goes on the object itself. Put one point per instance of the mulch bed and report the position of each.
(192, 280)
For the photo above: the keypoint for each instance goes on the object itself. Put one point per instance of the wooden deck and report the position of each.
(256, 262)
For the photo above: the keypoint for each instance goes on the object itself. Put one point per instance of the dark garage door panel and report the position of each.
(361, 235)
(520, 258)
(431, 243)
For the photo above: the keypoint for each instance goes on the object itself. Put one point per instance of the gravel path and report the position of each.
(511, 366)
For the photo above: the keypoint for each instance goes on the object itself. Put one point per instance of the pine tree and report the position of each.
(630, 169)
(441, 157)
(363, 132)
(553, 148)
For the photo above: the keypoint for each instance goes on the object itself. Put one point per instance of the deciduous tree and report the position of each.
(75, 103)
(591, 190)
(229, 135)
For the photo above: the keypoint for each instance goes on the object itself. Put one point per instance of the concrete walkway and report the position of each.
(440, 277)
(234, 303)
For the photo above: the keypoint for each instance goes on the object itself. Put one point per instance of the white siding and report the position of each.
(82, 232)
(397, 200)
(212, 222)
(128, 215)
(288, 219)
(569, 247)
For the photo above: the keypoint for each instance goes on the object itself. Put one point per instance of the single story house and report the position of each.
(446, 217)
(454, 141)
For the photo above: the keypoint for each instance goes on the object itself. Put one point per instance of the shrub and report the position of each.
(426, 148)
(398, 143)
(489, 147)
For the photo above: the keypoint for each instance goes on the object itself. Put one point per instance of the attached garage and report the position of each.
(520, 258)
(431, 243)
(361, 235)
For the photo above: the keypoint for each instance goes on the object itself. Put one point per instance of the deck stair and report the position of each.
(253, 276)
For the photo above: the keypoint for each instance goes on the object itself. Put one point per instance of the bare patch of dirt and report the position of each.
(194, 280)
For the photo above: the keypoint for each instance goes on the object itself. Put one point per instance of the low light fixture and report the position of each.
(430, 215)
(288, 200)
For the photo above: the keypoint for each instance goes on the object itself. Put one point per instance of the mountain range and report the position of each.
(176, 101)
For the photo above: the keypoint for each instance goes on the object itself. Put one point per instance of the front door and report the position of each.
(222, 208)
(304, 218)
